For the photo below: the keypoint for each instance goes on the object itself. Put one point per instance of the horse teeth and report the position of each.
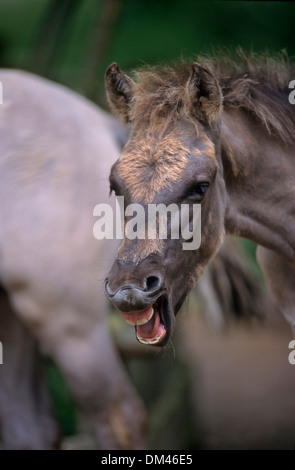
(150, 341)
(140, 321)
(130, 322)
(143, 321)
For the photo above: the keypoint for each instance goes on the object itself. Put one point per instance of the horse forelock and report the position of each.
(160, 98)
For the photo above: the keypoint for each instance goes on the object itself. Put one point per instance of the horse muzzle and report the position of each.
(142, 301)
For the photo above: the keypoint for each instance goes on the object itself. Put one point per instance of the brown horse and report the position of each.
(220, 133)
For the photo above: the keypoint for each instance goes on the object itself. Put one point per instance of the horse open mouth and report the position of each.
(152, 325)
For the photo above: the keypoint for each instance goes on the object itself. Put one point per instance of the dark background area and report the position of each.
(73, 41)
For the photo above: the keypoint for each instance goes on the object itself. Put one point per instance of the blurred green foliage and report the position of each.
(62, 401)
(144, 31)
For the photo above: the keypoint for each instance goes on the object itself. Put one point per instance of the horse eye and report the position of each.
(198, 190)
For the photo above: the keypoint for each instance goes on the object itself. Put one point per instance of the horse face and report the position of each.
(173, 164)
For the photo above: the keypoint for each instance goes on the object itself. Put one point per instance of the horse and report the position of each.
(218, 132)
(56, 149)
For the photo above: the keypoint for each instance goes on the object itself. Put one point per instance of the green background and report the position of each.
(140, 31)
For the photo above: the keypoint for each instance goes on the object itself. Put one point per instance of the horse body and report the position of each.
(265, 212)
(236, 159)
(56, 150)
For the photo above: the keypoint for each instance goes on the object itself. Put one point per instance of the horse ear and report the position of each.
(204, 94)
(119, 89)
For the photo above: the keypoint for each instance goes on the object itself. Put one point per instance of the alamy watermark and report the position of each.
(292, 94)
(156, 221)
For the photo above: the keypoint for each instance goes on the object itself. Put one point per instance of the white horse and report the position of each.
(56, 150)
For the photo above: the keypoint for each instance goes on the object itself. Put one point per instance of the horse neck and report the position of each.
(259, 180)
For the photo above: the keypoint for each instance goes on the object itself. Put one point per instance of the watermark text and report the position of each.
(155, 221)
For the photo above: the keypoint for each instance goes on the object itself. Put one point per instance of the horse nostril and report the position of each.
(153, 283)
(105, 287)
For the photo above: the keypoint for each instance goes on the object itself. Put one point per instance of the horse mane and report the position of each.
(258, 84)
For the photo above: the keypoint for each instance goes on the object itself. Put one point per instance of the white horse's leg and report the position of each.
(80, 344)
(26, 416)
(279, 274)
(99, 384)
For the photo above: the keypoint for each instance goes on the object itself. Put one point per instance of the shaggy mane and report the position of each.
(257, 84)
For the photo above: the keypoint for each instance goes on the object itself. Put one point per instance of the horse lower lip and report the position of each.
(155, 340)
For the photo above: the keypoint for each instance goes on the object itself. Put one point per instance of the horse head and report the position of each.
(172, 157)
